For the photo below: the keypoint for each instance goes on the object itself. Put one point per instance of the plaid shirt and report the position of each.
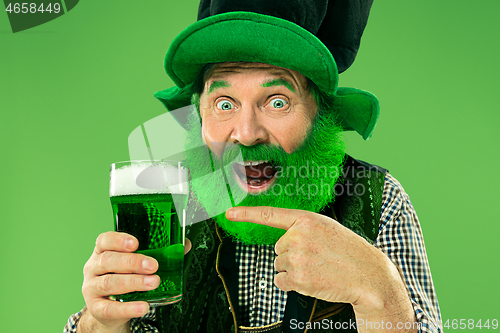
(400, 237)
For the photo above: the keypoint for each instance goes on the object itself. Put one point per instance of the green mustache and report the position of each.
(274, 154)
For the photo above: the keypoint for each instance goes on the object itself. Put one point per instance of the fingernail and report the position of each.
(129, 243)
(148, 264)
(150, 281)
(231, 214)
(141, 308)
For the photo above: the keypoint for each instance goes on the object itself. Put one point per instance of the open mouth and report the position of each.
(255, 176)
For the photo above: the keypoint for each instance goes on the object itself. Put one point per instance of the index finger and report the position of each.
(115, 241)
(281, 218)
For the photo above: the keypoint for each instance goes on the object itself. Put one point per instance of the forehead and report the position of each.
(221, 70)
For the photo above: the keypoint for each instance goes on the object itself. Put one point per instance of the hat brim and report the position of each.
(246, 36)
(358, 110)
(251, 37)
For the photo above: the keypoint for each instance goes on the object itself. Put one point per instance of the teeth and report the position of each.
(252, 163)
(255, 182)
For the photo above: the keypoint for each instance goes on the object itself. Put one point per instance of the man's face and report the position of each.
(268, 112)
(251, 103)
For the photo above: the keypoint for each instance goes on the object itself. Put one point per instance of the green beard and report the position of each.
(305, 179)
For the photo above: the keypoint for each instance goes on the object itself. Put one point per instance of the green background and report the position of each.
(73, 89)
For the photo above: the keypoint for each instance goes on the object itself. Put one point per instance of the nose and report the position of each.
(249, 128)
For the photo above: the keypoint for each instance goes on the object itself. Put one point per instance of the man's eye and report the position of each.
(278, 103)
(225, 105)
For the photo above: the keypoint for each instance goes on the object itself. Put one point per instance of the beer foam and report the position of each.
(147, 178)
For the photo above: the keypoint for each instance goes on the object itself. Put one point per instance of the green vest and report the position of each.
(210, 295)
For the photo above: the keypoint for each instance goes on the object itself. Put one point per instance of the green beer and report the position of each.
(150, 215)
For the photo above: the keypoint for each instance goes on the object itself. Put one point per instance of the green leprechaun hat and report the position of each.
(317, 38)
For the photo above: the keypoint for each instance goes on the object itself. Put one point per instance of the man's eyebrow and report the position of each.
(217, 84)
(278, 82)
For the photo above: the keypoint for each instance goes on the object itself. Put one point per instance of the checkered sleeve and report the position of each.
(72, 322)
(400, 237)
(144, 324)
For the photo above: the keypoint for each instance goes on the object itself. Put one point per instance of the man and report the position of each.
(269, 87)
